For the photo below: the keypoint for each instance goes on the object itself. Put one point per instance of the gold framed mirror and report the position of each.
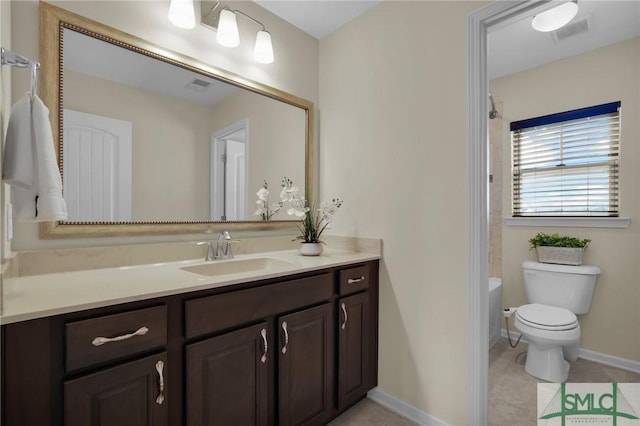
(189, 156)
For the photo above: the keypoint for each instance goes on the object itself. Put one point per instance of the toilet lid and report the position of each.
(547, 317)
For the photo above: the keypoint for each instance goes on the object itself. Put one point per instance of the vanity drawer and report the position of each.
(354, 279)
(214, 313)
(110, 337)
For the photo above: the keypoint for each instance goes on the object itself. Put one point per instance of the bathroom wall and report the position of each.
(277, 123)
(604, 75)
(176, 128)
(180, 131)
(295, 69)
(393, 145)
(496, 135)
(5, 106)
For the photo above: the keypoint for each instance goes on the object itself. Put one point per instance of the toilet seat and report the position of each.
(546, 317)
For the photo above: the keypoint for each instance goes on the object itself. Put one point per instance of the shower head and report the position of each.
(493, 113)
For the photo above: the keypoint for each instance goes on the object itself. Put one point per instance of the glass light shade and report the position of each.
(182, 14)
(263, 51)
(558, 17)
(228, 29)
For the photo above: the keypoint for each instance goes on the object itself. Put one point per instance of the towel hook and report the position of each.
(34, 78)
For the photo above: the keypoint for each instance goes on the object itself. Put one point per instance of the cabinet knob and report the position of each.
(355, 280)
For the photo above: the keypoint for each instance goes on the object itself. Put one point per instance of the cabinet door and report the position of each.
(306, 366)
(228, 378)
(353, 344)
(131, 394)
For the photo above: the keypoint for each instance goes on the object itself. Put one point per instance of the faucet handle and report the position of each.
(210, 253)
(228, 253)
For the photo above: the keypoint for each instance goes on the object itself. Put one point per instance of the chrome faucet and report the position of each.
(222, 249)
(224, 246)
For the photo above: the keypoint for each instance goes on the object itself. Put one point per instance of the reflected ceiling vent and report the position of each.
(572, 29)
(198, 85)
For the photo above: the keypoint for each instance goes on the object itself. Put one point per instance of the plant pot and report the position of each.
(560, 255)
(311, 249)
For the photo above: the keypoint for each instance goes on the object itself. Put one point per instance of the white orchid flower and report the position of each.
(263, 194)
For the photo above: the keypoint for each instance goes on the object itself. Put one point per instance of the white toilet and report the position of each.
(556, 293)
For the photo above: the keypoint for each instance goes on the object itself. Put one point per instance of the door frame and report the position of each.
(217, 139)
(477, 321)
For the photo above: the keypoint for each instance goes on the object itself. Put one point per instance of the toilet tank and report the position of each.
(564, 286)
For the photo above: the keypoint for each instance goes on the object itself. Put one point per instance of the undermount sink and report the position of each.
(223, 267)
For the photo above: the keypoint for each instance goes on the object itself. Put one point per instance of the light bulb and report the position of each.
(558, 17)
(182, 14)
(228, 29)
(263, 51)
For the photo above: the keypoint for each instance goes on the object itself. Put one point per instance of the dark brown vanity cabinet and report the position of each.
(353, 343)
(357, 332)
(129, 394)
(305, 368)
(227, 378)
(288, 351)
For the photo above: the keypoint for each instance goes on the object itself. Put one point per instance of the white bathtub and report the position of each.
(495, 309)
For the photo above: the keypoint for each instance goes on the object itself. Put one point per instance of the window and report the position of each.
(566, 164)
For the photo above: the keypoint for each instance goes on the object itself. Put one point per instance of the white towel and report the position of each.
(45, 179)
(18, 161)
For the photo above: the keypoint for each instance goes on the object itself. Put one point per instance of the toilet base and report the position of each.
(547, 363)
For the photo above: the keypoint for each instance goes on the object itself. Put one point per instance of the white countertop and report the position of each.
(38, 296)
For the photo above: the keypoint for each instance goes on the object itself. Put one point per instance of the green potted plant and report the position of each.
(556, 248)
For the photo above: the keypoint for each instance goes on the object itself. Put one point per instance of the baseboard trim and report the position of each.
(599, 357)
(404, 409)
(611, 360)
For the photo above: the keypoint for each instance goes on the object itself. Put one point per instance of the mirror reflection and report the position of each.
(148, 141)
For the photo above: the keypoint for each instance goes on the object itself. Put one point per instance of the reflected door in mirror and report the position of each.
(97, 167)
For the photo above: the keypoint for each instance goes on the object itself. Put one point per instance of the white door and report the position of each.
(96, 167)
(229, 157)
(235, 195)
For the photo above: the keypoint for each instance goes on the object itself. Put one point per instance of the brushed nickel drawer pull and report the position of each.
(159, 368)
(263, 333)
(344, 311)
(99, 341)
(286, 337)
(355, 280)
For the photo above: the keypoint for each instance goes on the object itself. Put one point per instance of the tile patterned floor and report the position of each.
(370, 413)
(512, 392)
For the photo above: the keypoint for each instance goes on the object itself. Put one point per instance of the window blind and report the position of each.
(567, 164)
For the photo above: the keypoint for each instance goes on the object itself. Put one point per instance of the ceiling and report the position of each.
(516, 46)
(512, 47)
(317, 17)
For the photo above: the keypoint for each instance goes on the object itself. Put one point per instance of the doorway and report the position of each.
(478, 24)
(229, 158)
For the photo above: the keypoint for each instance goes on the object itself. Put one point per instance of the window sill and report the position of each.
(571, 222)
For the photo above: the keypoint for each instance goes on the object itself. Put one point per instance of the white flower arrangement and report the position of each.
(264, 210)
(314, 219)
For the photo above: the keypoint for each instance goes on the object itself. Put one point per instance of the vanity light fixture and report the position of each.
(558, 17)
(182, 14)
(223, 21)
(227, 34)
